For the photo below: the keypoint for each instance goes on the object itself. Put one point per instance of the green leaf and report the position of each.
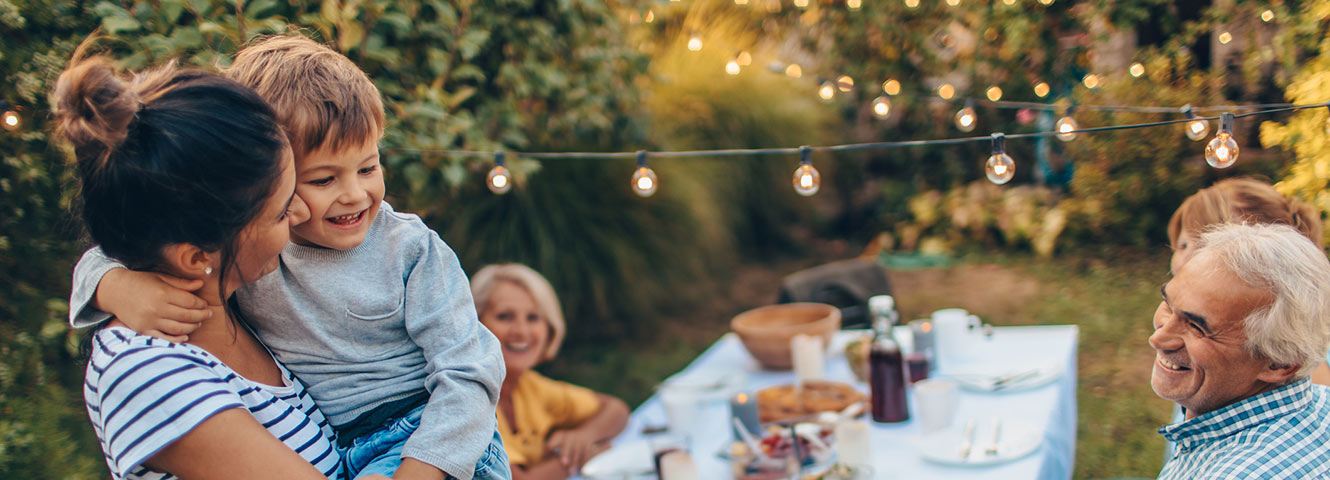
(471, 42)
(120, 24)
(350, 35)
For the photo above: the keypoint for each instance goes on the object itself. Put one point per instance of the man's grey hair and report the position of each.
(1294, 329)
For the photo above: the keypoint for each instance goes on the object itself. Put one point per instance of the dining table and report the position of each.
(1047, 409)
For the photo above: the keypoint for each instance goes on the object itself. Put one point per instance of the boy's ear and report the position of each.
(190, 261)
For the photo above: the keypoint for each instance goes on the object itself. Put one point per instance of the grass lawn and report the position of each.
(1110, 295)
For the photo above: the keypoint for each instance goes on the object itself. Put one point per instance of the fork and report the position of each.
(968, 442)
(992, 449)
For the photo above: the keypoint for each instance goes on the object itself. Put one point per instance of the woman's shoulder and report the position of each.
(119, 354)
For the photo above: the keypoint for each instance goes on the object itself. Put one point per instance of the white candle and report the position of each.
(853, 445)
(678, 465)
(808, 352)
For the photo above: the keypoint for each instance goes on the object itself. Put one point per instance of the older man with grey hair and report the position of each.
(1239, 331)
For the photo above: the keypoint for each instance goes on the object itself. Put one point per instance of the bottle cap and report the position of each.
(881, 305)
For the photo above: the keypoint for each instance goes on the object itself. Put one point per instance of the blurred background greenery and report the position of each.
(649, 282)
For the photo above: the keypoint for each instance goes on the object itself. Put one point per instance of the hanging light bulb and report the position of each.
(741, 2)
(1267, 16)
(827, 91)
(844, 83)
(946, 91)
(1197, 128)
(1225, 37)
(10, 120)
(732, 67)
(644, 179)
(891, 87)
(650, 17)
(1090, 80)
(1136, 70)
(882, 106)
(1000, 167)
(801, 3)
(499, 180)
(953, 2)
(911, 3)
(1222, 150)
(794, 70)
(806, 179)
(994, 93)
(966, 118)
(1066, 126)
(854, 4)
(695, 42)
(1009, 2)
(744, 58)
(1041, 89)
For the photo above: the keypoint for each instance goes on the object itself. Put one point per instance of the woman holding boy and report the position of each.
(163, 192)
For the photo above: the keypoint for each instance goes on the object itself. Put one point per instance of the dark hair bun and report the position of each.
(93, 107)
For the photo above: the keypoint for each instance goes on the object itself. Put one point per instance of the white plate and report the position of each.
(1003, 378)
(631, 459)
(1018, 439)
(708, 386)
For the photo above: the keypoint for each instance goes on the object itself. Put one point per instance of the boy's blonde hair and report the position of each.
(322, 99)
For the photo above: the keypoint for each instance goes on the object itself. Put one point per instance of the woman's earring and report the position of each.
(207, 270)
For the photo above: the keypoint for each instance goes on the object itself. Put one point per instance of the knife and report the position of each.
(968, 442)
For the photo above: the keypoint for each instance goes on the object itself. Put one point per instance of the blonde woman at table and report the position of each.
(1241, 200)
(549, 428)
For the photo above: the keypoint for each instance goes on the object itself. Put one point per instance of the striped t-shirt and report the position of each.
(144, 393)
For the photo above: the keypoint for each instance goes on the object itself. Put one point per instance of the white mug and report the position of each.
(935, 404)
(955, 334)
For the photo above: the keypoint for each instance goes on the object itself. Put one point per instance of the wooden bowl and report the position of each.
(766, 331)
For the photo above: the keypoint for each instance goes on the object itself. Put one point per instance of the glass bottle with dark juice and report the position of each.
(886, 367)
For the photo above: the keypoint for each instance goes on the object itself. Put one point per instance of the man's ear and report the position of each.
(1276, 374)
(189, 261)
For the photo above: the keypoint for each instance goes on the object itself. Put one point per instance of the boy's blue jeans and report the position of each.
(381, 452)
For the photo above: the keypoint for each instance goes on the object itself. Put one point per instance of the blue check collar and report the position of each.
(1239, 416)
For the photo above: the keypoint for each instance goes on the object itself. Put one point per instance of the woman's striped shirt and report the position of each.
(144, 393)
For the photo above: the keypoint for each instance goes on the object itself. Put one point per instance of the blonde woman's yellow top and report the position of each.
(540, 406)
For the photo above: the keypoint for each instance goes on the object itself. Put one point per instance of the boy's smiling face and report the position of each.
(343, 190)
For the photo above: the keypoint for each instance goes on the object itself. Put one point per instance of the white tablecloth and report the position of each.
(1051, 408)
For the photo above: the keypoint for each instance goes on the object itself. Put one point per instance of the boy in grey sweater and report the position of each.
(368, 307)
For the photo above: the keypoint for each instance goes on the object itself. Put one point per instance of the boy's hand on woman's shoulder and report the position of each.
(153, 304)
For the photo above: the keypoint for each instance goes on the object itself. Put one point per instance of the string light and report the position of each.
(882, 106)
(10, 120)
(911, 3)
(794, 71)
(953, 2)
(965, 117)
(891, 87)
(732, 67)
(854, 4)
(1091, 80)
(651, 17)
(644, 178)
(946, 91)
(744, 58)
(499, 180)
(741, 2)
(844, 83)
(1046, 2)
(1137, 70)
(1222, 151)
(1197, 128)
(1000, 168)
(994, 93)
(806, 179)
(1066, 126)
(1041, 89)
(827, 91)
(1225, 37)
(801, 3)
(695, 42)
(1267, 16)
(1009, 2)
